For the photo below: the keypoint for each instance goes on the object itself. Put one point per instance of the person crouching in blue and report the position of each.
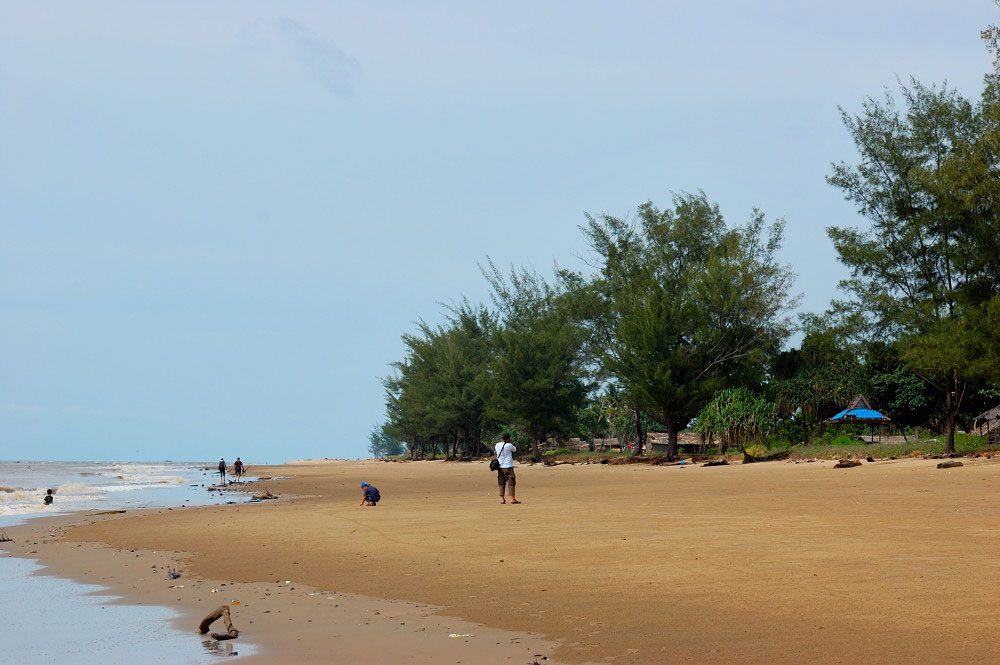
(371, 496)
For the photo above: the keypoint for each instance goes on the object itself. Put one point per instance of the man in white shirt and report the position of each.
(505, 476)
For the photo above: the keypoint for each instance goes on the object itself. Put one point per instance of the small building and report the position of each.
(860, 412)
(991, 421)
(659, 442)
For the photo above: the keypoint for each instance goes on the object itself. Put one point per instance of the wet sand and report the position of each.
(891, 562)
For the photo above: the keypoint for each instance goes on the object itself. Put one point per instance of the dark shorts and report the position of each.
(506, 478)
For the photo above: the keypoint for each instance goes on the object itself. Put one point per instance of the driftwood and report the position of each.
(4, 538)
(220, 613)
(948, 465)
(106, 512)
(846, 464)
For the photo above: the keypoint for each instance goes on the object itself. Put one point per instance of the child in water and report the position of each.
(48, 497)
(371, 495)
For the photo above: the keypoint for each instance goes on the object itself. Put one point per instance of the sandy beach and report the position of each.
(891, 562)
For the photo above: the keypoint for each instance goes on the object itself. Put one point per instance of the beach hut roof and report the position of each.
(992, 414)
(858, 411)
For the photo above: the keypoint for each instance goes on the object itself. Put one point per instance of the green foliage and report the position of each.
(739, 418)
(381, 444)
(439, 392)
(898, 391)
(843, 446)
(927, 272)
(681, 305)
(818, 378)
(535, 367)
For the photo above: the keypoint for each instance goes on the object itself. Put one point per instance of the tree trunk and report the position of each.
(955, 391)
(672, 429)
(536, 452)
(454, 446)
(640, 437)
(949, 423)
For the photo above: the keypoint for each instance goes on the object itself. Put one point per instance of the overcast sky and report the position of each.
(217, 218)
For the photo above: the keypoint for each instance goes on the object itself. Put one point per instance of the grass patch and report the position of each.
(831, 448)
(573, 455)
(964, 443)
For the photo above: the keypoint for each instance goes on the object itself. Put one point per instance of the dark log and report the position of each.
(948, 465)
(846, 464)
(219, 613)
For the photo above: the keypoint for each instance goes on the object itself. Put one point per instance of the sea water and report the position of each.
(102, 486)
(45, 619)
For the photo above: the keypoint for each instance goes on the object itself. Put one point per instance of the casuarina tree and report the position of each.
(682, 305)
(535, 369)
(926, 274)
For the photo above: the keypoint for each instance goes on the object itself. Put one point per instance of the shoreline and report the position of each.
(299, 621)
(772, 562)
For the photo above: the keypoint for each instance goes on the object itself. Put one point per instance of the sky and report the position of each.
(217, 218)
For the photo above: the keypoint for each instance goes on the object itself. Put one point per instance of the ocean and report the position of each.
(89, 626)
(102, 486)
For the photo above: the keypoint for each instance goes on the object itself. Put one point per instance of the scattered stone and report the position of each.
(948, 465)
(871, 459)
(847, 463)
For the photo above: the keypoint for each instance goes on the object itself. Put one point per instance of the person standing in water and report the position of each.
(48, 497)
(505, 475)
(222, 470)
(238, 469)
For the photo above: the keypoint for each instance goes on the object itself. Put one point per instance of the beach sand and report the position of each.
(891, 562)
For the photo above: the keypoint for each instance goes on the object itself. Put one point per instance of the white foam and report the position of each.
(23, 502)
(73, 488)
(96, 485)
(142, 474)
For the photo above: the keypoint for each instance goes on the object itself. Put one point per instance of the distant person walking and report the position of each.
(371, 495)
(238, 469)
(505, 475)
(222, 471)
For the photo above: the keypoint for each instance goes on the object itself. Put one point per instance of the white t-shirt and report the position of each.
(505, 454)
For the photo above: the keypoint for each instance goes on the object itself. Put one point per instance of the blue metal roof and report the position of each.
(864, 414)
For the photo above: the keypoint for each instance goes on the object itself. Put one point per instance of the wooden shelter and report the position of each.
(860, 412)
(991, 421)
